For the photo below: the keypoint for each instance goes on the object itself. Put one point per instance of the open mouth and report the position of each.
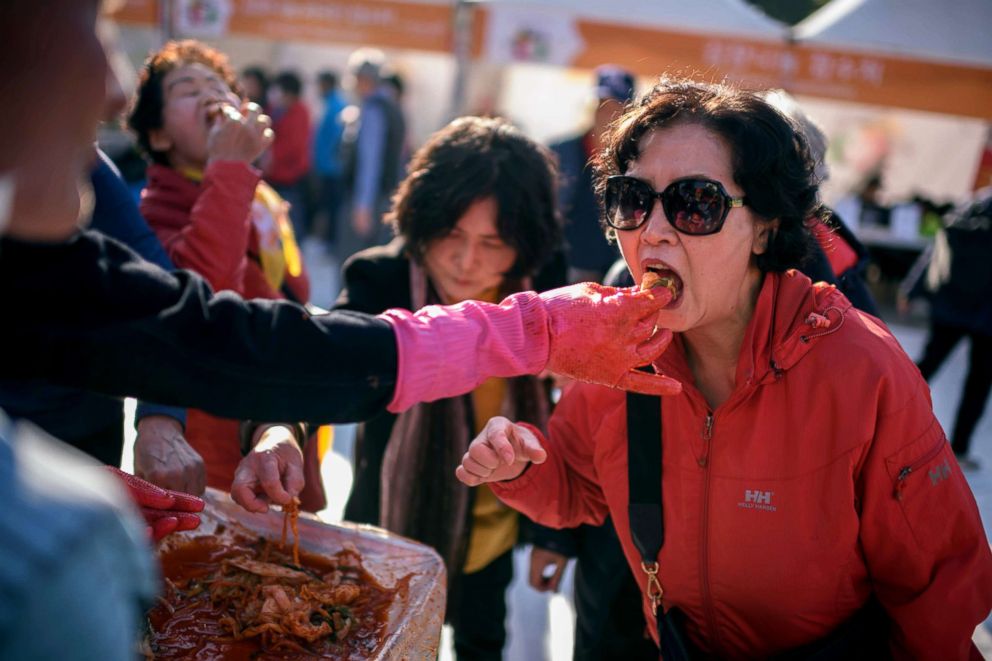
(215, 110)
(660, 276)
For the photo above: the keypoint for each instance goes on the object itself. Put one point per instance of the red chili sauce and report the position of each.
(189, 624)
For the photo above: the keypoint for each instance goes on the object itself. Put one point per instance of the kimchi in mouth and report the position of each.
(234, 595)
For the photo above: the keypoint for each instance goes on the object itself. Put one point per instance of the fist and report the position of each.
(501, 452)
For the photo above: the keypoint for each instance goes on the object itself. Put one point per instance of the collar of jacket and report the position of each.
(170, 190)
(790, 316)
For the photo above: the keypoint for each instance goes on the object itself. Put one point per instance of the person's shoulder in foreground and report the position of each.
(75, 569)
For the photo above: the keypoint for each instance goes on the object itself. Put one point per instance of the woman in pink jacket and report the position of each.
(810, 503)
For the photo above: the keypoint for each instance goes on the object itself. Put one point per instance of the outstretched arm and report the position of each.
(272, 360)
(588, 332)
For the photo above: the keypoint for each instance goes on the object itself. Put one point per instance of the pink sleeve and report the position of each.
(449, 350)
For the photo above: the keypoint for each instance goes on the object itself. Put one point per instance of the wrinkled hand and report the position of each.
(600, 334)
(163, 457)
(272, 471)
(165, 511)
(540, 561)
(501, 452)
(239, 134)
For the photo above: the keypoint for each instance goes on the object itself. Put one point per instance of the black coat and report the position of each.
(90, 313)
(374, 281)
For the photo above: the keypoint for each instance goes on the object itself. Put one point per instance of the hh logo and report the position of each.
(940, 473)
(757, 500)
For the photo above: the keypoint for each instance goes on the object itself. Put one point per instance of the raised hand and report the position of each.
(501, 452)
(601, 334)
(238, 134)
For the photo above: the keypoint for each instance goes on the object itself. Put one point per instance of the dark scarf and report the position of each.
(421, 498)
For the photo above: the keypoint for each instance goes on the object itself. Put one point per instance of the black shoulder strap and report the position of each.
(644, 507)
(647, 520)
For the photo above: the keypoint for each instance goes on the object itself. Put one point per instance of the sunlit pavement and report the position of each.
(540, 627)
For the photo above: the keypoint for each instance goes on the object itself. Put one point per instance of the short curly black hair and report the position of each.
(771, 160)
(146, 110)
(471, 159)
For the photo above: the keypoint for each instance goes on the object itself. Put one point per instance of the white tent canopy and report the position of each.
(954, 31)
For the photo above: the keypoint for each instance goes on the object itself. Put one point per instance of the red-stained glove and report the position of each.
(599, 334)
(165, 511)
(587, 332)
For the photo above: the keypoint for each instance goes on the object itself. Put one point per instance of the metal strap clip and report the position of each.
(655, 591)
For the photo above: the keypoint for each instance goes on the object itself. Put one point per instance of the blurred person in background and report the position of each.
(372, 148)
(215, 216)
(254, 81)
(397, 84)
(474, 220)
(873, 212)
(286, 164)
(588, 252)
(838, 257)
(955, 276)
(327, 170)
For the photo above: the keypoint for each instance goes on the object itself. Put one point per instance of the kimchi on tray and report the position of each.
(233, 594)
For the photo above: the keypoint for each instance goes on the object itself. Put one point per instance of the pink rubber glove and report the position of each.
(165, 511)
(600, 334)
(587, 332)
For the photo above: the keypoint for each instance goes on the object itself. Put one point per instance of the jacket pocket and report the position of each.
(926, 484)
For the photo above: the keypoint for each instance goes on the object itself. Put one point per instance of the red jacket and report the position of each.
(207, 227)
(290, 156)
(824, 477)
(216, 228)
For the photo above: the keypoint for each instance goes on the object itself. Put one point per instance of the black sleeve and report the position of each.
(564, 541)
(92, 314)
(374, 283)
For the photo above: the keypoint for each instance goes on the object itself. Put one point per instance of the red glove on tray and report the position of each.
(165, 511)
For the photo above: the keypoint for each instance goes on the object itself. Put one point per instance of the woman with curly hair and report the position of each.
(798, 498)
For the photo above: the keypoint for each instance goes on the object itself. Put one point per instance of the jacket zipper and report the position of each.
(905, 471)
(704, 536)
(707, 435)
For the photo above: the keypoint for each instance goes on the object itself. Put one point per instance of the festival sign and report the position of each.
(384, 23)
(515, 34)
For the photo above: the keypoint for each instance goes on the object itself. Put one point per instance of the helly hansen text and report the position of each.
(757, 500)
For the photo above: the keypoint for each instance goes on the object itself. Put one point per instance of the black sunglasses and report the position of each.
(693, 206)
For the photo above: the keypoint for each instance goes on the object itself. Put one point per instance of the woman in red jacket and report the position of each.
(214, 215)
(806, 480)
